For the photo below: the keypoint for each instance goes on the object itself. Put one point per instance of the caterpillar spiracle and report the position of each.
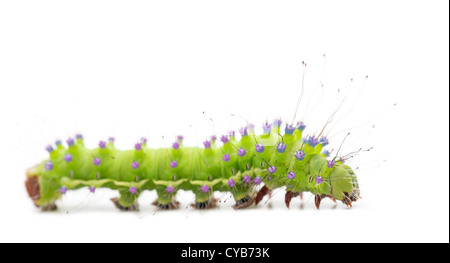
(249, 168)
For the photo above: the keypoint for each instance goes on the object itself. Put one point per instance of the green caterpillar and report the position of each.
(237, 166)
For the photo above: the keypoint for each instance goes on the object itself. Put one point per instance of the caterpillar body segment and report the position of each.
(240, 167)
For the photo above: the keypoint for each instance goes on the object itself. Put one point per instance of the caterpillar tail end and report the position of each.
(34, 192)
(33, 189)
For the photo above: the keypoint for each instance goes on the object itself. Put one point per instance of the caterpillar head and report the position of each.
(345, 184)
(335, 179)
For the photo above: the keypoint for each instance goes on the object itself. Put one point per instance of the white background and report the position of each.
(150, 68)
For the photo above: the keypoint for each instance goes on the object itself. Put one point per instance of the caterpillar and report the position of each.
(266, 162)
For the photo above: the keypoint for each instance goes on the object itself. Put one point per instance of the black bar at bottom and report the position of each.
(221, 252)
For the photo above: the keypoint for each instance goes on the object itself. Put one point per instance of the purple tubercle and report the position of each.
(133, 190)
(112, 139)
(176, 145)
(267, 128)
(138, 146)
(144, 140)
(291, 175)
(231, 183)
(102, 145)
(259, 148)
(257, 180)
(91, 189)
(331, 163)
(247, 179)
(241, 152)
(300, 155)
(232, 134)
(180, 138)
(49, 148)
(224, 139)
(79, 136)
(272, 169)
(170, 189)
(173, 164)
(207, 144)
(68, 158)
(313, 141)
(226, 157)
(135, 165)
(326, 153)
(205, 188)
(70, 142)
(63, 190)
(48, 166)
(97, 161)
(324, 141)
(277, 123)
(281, 147)
(319, 180)
(301, 126)
(243, 131)
(289, 130)
(213, 138)
(58, 143)
(251, 126)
